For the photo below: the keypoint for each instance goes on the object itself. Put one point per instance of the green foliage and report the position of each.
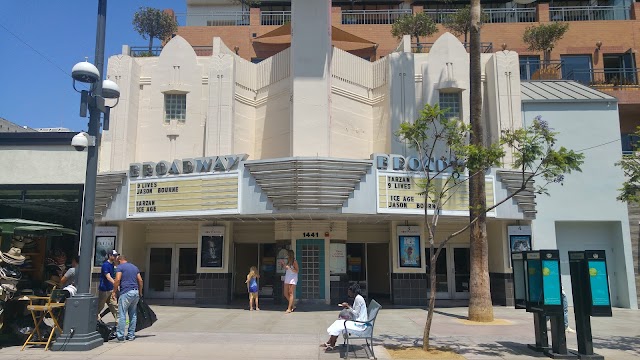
(630, 164)
(416, 25)
(544, 36)
(153, 23)
(250, 3)
(535, 153)
(459, 23)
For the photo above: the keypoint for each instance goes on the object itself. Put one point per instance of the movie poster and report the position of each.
(410, 251)
(105, 243)
(520, 243)
(211, 251)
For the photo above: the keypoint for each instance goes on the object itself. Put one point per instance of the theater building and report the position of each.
(222, 163)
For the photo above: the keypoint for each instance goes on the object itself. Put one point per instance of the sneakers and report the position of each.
(569, 330)
(120, 339)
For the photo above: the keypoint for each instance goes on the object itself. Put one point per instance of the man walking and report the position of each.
(128, 284)
(107, 278)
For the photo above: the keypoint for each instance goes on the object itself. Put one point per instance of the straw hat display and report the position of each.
(13, 256)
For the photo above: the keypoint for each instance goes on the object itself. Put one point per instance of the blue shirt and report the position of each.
(129, 279)
(107, 268)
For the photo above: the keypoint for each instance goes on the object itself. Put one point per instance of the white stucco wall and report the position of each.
(49, 164)
(589, 196)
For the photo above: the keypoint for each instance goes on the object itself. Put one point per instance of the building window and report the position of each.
(175, 107)
(629, 143)
(529, 65)
(576, 68)
(451, 104)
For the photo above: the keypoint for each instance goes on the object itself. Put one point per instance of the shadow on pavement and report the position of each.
(498, 349)
(450, 315)
(629, 344)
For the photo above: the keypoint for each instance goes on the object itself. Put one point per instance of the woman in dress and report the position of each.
(358, 312)
(290, 281)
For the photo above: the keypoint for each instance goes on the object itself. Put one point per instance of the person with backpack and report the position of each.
(252, 287)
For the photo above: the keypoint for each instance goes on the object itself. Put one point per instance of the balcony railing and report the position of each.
(540, 70)
(143, 51)
(588, 13)
(275, 17)
(490, 16)
(359, 17)
(485, 47)
(606, 78)
(217, 18)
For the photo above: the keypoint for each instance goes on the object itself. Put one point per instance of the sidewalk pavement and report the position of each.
(184, 332)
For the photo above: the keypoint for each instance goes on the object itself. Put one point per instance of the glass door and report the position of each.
(461, 272)
(311, 281)
(577, 68)
(442, 276)
(159, 282)
(186, 270)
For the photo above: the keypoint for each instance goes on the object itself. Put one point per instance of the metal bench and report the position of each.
(367, 333)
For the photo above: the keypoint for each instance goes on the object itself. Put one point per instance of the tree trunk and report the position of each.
(150, 44)
(480, 306)
(432, 300)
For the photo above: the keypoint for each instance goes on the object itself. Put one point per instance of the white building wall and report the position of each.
(28, 164)
(587, 197)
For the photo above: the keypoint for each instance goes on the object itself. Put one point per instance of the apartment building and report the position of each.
(599, 49)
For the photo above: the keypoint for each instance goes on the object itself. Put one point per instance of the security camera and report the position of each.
(80, 141)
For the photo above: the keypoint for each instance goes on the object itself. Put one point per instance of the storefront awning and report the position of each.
(25, 222)
(51, 230)
(282, 35)
(31, 227)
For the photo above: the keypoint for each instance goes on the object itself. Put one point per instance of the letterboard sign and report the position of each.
(179, 196)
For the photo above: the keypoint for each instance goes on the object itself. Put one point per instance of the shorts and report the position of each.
(253, 295)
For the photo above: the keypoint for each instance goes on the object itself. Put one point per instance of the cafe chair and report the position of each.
(40, 307)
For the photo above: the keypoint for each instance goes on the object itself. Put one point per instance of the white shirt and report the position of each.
(360, 309)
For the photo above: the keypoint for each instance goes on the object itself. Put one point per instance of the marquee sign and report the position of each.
(399, 193)
(183, 196)
(201, 165)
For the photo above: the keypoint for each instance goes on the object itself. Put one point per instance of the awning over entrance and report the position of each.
(282, 35)
(30, 226)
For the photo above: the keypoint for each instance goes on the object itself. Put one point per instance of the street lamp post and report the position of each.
(81, 310)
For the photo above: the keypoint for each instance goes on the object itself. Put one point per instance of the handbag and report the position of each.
(346, 314)
(107, 332)
(146, 316)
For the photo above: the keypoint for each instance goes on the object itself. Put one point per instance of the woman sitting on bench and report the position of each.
(358, 312)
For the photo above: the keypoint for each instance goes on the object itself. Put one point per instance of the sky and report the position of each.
(35, 70)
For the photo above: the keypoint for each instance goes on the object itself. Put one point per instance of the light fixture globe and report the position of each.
(110, 90)
(85, 72)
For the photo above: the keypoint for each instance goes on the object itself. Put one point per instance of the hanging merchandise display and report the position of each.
(33, 261)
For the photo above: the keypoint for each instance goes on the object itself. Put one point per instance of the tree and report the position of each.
(247, 3)
(459, 23)
(544, 37)
(154, 23)
(434, 136)
(480, 305)
(416, 25)
(630, 164)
